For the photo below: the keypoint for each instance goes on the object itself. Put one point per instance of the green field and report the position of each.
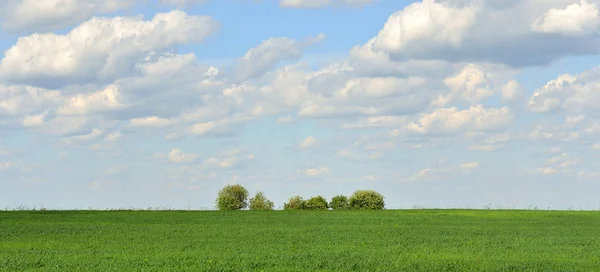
(392, 240)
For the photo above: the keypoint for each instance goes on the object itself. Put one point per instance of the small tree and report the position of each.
(260, 203)
(366, 200)
(232, 197)
(316, 203)
(295, 203)
(339, 202)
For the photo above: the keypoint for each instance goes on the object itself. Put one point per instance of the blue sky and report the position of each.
(438, 104)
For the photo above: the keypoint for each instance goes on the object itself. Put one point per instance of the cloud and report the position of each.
(183, 3)
(568, 93)
(314, 171)
(489, 31)
(47, 15)
(576, 19)
(453, 120)
(267, 54)
(321, 3)
(228, 159)
(557, 164)
(177, 156)
(309, 142)
(99, 50)
(442, 172)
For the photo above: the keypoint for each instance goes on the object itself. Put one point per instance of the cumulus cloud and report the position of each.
(47, 15)
(321, 3)
(576, 19)
(461, 30)
(183, 3)
(570, 93)
(452, 120)
(99, 50)
(267, 54)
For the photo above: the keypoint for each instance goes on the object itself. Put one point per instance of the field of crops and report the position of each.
(408, 240)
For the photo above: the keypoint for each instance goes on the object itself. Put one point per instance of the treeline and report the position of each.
(235, 197)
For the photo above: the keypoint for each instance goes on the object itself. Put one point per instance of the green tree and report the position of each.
(339, 202)
(366, 200)
(316, 203)
(232, 197)
(260, 203)
(294, 203)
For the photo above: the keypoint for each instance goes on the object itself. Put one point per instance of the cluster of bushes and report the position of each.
(235, 197)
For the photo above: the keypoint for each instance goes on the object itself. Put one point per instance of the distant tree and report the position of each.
(339, 202)
(294, 203)
(366, 200)
(260, 203)
(316, 203)
(232, 197)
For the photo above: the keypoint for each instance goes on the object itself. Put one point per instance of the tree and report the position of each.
(316, 203)
(366, 200)
(232, 197)
(339, 202)
(294, 203)
(260, 203)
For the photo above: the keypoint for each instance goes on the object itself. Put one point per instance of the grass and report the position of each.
(407, 240)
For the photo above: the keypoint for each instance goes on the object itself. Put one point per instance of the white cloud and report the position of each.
(151, 121)
(596, 146)
(574, 20)
(470, 165)
(34, 120)
(557, 164)
(314, 171)
(573, 94)
(263, 57)
(45, 15)
(101, 49)
(95, 133)
(177, 156)
(321, 3)
(308, 142)
(511, 91)
(423, 25)
(228, 159)
(82, 104)
(452, 120)
(183, 3)
(488, 31)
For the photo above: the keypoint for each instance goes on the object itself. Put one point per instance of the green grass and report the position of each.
(408, 240)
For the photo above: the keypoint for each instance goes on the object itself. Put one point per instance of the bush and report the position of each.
(232, 197)
(295, 203)
(339, 202)
(366, 200)
(260, 203)
(316, 203)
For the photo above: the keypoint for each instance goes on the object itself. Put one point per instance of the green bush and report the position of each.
(366, 200)
(232, 197)
(260, 203)
(316, 203)
(339, 202)
(295, 203)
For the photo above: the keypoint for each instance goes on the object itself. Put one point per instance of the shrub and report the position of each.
(366, 200)
(339, 202)
(316, 203)
(232, 197)
(260, 203)
(294, 203)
